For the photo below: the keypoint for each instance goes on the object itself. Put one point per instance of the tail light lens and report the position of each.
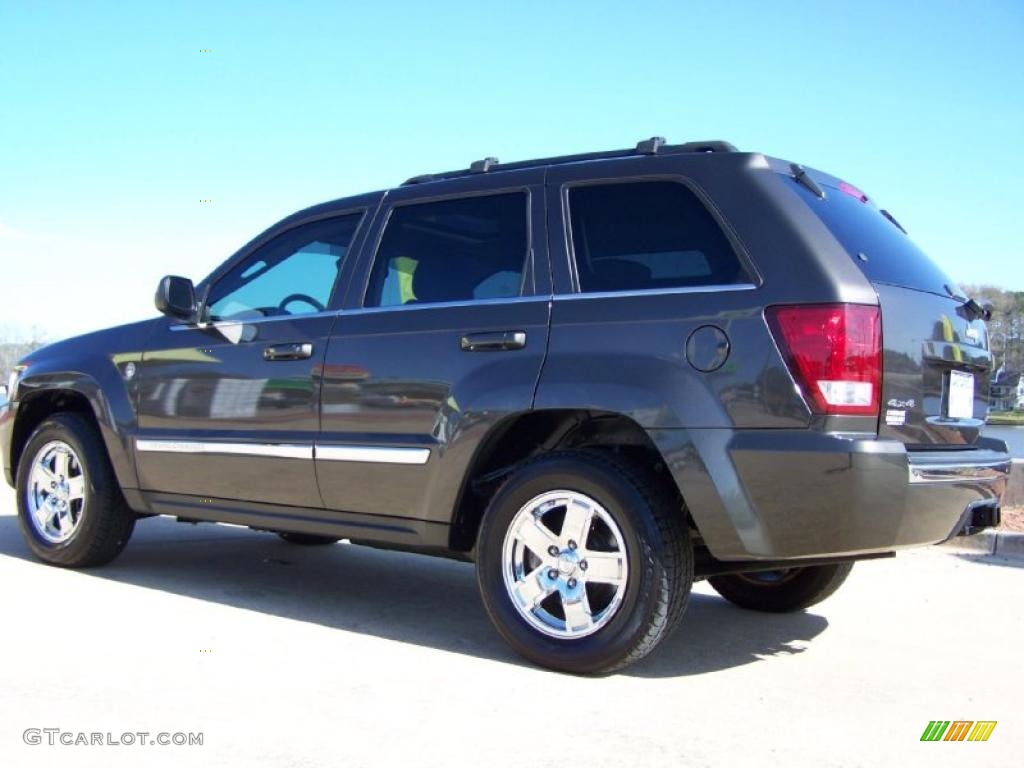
(834, 352)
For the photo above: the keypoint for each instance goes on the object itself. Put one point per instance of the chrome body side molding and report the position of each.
(356, 453)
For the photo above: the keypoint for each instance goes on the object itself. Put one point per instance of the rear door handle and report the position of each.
(493, 341)
(298, 351)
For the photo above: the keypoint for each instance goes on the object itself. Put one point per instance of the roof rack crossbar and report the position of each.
(652, 146)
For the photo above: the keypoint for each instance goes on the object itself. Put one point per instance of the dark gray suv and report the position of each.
(599, 377)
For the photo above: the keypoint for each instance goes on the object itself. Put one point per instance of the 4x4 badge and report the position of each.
(894, 403)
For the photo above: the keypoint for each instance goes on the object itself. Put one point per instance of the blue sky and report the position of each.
(113, 124)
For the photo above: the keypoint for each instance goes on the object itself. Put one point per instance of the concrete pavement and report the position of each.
(343, 655)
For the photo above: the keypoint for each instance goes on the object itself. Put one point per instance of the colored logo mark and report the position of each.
(958, 730)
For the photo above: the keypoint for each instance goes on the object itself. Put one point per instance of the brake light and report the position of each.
(834, 352)
(852, 191)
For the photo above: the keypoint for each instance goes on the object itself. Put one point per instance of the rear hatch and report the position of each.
(936, 360)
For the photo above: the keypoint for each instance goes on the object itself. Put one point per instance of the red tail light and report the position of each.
(834, 352)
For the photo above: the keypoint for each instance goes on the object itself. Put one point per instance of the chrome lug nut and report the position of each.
(552, 574)
(572, 544)
(572, 583)
(553, 550)
(583, 565)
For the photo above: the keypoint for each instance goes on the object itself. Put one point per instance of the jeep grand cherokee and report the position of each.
(599, 377)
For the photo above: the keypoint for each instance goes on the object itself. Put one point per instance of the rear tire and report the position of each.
(584, 562)
(783, 591)
(70, 507)
(307, 539)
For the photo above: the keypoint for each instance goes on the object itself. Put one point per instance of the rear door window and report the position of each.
(461, 249)
(647, 235)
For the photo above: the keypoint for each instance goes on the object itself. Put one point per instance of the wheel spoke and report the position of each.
(605, 567)
(67, 522)
(76, 488)
(577, 613)
(61, 463)
(47, 474)
(576, 527)
(537, 537)
(532, 588)
(52, 519)
(44, 513)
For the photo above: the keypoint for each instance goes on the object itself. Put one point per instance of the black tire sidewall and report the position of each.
(628, 508)
(811, 585)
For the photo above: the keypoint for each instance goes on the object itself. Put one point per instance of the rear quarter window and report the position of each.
(647, 235)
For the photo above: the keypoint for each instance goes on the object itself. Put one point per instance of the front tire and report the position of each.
(783, 591)
(70, 507)
(584, 562)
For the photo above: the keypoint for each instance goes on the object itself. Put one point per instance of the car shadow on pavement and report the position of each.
(409, 598)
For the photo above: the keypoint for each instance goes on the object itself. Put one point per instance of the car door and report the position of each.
(653, 314)
(442, 337)
(228, 407)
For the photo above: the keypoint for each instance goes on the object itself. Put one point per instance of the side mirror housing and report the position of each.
(176, 297)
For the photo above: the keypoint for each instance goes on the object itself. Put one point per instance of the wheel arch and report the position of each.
(70, 393)
(519, 438)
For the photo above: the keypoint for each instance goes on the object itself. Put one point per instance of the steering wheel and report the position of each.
(300, 297)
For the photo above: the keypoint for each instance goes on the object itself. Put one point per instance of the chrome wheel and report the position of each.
(564, 564)
(55, 492)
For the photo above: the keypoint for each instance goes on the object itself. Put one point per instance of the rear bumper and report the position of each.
(780, 494)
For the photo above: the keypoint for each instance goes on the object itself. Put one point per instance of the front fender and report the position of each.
(97, 368)
(109, 401)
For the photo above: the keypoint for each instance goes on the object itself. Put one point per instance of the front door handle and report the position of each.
(298, 351)
(494, 341)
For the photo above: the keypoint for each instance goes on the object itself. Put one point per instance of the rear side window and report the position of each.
(883, 251)
(465, 249)
(647, 235)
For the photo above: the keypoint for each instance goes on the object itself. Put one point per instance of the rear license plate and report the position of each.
(961, 395)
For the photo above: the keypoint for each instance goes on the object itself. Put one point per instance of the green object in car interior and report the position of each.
(404, 267)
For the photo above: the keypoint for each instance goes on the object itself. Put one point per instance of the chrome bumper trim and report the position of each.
(987, 467)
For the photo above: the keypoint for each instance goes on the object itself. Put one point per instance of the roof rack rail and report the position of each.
(653, 146)
(707, 146)
(650, 146)
(483, 166)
